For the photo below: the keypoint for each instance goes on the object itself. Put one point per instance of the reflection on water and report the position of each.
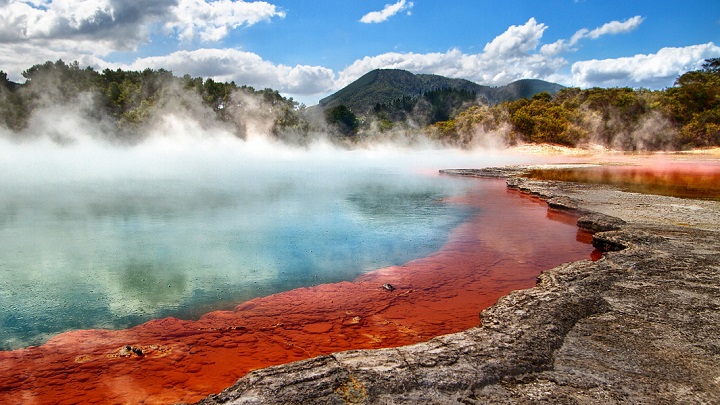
(113, 254)
(503, 246)
(700, 180)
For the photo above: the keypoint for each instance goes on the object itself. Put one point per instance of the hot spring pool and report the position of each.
(98, 238)
(99, 235)
(114, 254)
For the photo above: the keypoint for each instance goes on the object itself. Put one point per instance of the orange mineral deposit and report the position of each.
(508, 241)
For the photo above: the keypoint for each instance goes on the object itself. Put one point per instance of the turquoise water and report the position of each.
(114, 251)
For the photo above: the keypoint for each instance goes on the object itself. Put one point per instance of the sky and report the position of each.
(310, 49)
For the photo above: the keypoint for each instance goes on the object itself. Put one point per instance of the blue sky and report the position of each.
(308, 50)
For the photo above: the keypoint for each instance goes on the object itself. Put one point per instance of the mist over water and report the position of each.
(96, 234)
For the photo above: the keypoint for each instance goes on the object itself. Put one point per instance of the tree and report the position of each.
(12, 107)
(544, 121)
(694, 105)
(342, 119)
(4, 82)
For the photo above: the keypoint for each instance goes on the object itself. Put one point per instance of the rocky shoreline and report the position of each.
(640, 325)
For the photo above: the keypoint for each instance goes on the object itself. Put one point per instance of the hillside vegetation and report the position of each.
(686, 115)
(393, 103)
(123, 101)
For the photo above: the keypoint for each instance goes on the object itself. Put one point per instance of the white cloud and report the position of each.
(123, 25)
(517, 41)
(34, 31)
(611, 28)
(110, 24)
(508, 57)
(212, 21)
(242, 67)
(387, 12)
(555, 48)
(656, 70)
(616, 27)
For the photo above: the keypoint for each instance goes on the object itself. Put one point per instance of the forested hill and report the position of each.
(385, 86)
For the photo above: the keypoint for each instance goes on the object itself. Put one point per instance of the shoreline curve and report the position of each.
(642, 324)
(171, 360)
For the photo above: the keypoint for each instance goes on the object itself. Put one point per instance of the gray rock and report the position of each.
(597, 222)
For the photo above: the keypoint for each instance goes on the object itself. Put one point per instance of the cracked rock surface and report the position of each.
(640, 325)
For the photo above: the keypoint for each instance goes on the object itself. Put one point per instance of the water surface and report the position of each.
(116, 253)
(700, 180)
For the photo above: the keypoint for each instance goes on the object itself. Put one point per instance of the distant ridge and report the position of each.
(386, 85)
(524, 88)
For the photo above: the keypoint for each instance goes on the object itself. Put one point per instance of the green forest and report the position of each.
(686, 115)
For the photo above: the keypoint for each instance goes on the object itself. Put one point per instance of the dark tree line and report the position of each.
(426, 108)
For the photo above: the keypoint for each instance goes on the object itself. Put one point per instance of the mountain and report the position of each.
(524, 88)
(387, 85)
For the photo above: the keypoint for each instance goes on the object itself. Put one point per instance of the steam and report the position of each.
(654, 132)
(182, 138)
(117, 226)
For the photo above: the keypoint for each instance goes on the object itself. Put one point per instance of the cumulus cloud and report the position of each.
(110, 24)
(390, 10)
(656, 70)
(212, 21)
(92, 28)
(510, 56)
(242, 67)
(517, 41)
